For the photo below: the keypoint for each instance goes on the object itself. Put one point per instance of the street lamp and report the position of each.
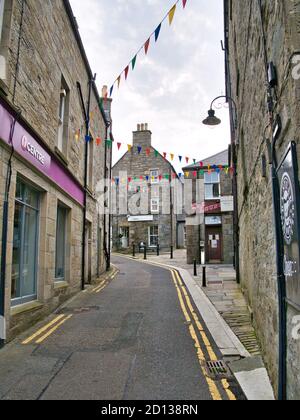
(212, 120)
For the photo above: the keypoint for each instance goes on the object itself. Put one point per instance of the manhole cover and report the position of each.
(218, 370)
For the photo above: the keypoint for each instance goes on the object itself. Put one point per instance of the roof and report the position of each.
(218, 159)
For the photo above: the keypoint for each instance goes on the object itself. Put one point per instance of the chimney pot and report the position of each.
(139, 127)
(146, 126)
(143, 127)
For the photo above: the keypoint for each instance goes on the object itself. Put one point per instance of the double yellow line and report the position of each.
(100, 287)
(192, 319)
(45, 332)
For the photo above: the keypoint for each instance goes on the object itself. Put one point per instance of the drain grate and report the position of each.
(218, 370)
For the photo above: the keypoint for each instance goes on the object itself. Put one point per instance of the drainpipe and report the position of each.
(86, 113)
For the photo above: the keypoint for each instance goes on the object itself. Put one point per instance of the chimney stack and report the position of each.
(142, 137)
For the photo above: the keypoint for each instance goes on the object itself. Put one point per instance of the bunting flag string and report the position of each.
(148, 150)
(145, 47)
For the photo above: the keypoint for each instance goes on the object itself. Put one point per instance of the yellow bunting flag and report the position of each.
(172, 156)
(129, 147)
(172, 14)
(119, 81)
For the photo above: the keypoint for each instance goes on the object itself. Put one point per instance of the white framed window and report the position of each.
(155, 205)
(63, 117)
(61, 243)
(212, 185)
(154, 176)
(1, 16)
(153, 236)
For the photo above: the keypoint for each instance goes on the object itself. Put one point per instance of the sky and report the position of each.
(172, 87)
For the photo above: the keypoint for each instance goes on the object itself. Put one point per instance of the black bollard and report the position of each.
(195, 268)
(133, 250)
(145, 252)
(204, 283)
(172, 252)
(158, 250)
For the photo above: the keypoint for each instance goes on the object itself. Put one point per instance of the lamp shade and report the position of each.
(212, 120)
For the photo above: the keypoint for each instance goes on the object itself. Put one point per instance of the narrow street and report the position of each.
(140, 337)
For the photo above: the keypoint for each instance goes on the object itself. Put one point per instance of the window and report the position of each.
(90, 163)
(155, 205)
(153, 236)
(61, 242)
(25, 245)
(154, 176)
(63, 118)
(1, 17)
(212, 185)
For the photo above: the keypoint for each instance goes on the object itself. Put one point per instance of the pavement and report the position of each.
(227, 316)
(139, 336)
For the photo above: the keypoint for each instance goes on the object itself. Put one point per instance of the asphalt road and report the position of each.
(137, 338)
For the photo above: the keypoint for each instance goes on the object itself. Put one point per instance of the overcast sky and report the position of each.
(171, 89)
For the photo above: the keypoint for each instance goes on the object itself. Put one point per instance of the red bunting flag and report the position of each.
(184, 3)
(165, 155)
(195, 174)
(148, 151)
(146, 46)
(187, 160)
(119, 145)
(98, 141)
(126, 72)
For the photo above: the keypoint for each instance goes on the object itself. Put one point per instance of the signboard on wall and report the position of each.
(290, 222)
(227, 204)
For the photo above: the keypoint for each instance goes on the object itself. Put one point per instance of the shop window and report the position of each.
(25, 245)
(153, 236)
(61, 242)
(63, 118)
(212, 185)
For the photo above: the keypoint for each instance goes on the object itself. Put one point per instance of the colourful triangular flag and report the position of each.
(126, 72)
(111, 91)
(139, 148)
(156, 153)
(119, 145)
(98, 141)
(187, 159)
(172, 14)
(180, 158)
(148, 151)
(133, 62)
(184, 3)
(119, 81)
(157, 32)
(146, 46)
(172, 156)
(129, 147)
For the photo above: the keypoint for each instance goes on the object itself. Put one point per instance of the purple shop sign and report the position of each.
(27, 147)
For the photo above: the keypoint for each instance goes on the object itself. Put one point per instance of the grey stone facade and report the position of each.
(255, 38)
(134, 165)
(51, 52)
(197, 222)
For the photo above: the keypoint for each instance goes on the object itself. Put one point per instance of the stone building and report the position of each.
(42, 162)
(144, 175)
(209, 223)
(262, 65)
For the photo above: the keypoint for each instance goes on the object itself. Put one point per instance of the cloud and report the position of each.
(173, 86)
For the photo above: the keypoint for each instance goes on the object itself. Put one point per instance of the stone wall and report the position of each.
(248, 87)
(49, 51)
(134, 165)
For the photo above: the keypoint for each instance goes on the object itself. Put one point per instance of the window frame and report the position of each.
(157, 205)
(154, 181)
(63, 117)
(211, 182)
(151, 235)
(65, 240)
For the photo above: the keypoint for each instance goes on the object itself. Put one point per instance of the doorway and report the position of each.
(214, 244)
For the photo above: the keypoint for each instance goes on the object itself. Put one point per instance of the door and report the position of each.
(214, 244)
(88, 253)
